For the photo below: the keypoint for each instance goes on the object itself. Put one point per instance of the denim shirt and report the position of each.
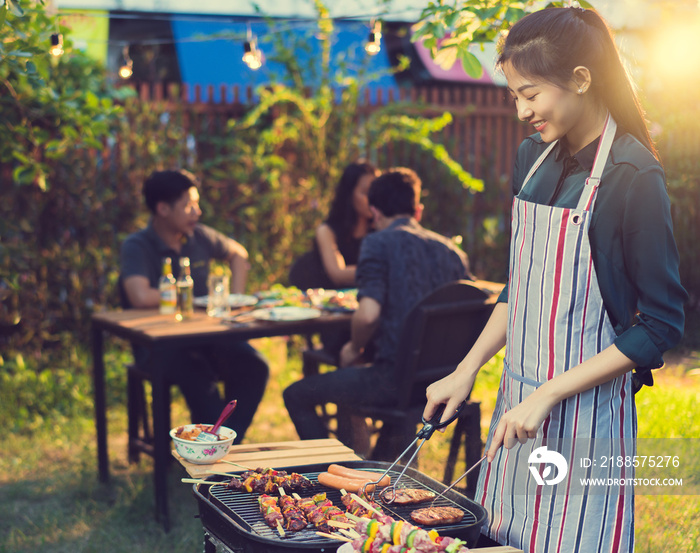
(400, 265)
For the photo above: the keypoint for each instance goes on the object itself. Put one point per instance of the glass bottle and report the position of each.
(168, 289)
(185, 291)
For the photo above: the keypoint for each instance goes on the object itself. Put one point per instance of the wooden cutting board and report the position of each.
(275, 454)
(499, 549)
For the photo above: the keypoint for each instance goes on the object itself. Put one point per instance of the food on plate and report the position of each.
(410, 496)
(434, 516)
(190, 431)
(294, 518)
(359, 509)
(386, 535)
(269, 507)
(346, 472)
(342, 300)
(279, 295)
(342, 483)
(267, 480)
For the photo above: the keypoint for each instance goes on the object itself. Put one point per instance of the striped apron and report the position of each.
(557, 320)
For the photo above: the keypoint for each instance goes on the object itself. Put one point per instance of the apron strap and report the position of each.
(587, 199)
(537, 163)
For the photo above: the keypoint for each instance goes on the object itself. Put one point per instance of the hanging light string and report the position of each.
(252, 56)
(374, 43)
(56, 45)
(281, 25)
(127, 68)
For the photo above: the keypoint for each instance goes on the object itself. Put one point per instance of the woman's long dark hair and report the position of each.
(342, 216)
(550, 43)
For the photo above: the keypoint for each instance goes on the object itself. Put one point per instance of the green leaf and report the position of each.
(446, 57)
(23, 174)
(471, 64)
(14, 7)
(3, 14)
(91, 99)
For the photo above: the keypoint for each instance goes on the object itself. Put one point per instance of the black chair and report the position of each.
(436, 335)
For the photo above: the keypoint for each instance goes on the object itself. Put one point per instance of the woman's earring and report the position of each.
(580, 90)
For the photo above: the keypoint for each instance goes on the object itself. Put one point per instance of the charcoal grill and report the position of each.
(232, 520)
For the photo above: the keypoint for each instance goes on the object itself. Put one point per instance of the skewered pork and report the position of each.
(270, 481)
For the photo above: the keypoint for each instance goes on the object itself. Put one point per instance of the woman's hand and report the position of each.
(520, 424)
(451, 391)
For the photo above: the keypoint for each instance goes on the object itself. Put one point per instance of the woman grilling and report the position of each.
(593, 292)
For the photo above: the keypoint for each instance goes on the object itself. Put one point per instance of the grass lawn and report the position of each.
(50, 500)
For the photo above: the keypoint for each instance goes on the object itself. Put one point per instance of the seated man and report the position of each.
(174, 232)
(399, 264)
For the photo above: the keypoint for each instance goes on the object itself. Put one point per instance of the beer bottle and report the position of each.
(185, 290)
(168, 289)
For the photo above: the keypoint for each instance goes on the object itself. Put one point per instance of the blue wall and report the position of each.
(204, 61)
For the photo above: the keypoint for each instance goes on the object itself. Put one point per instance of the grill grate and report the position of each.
(243, 508)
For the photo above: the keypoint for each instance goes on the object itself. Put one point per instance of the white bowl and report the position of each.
(203, 453)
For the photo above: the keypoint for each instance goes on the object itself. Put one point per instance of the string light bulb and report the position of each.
(56, 48)
(127, 68)
(374, 43)
(252, 56)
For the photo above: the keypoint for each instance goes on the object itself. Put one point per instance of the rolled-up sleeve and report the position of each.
(372, 280)
(651, 263)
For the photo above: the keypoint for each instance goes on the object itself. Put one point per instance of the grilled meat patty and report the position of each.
(409, 496)
(434, 516)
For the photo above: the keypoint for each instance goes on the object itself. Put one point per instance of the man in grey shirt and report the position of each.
(399, 265)
(174, 231)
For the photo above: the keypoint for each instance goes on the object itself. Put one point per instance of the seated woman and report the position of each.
(339, 237)
(331, 262)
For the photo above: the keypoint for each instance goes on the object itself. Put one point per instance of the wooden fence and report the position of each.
(483, 137)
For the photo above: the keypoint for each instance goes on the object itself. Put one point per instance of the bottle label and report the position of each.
(184, 299)
(168, 300)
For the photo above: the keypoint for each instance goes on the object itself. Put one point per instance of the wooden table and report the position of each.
(300, 452)
(156, 331)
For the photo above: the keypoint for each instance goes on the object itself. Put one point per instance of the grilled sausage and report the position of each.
(433, 516)
(341, 483)
(346, 472)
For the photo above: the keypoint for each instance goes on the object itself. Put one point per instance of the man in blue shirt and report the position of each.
(174, 231)
(399, 265)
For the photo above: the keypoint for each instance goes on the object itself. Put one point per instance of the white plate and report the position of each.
(234, 300)
(286, 313)
(345, 548)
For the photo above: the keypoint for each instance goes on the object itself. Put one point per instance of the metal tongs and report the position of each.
(429, 427)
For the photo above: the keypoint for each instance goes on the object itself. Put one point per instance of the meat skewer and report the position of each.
(270, 510)
(385, 533)
(360, 507)
(294, 519)
(269, 481)
(320, 512)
